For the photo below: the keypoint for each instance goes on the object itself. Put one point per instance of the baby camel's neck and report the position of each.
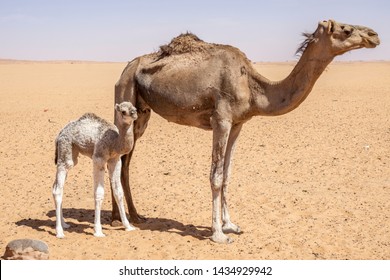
(125, 139)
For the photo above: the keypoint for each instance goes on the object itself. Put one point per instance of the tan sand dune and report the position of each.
(312, 184)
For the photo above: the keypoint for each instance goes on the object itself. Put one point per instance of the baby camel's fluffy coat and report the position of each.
(102, 141)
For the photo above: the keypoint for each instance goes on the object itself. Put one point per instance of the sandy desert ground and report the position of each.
(312, 184)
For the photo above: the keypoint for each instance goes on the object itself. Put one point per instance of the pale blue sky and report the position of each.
(119, 30)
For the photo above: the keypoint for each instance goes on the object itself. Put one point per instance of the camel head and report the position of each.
(337, 38)
(126, 113)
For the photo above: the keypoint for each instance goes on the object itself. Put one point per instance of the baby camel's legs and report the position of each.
(98, 181)
(114, 168)
(58, 191)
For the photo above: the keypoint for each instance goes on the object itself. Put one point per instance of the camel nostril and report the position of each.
(372, 33)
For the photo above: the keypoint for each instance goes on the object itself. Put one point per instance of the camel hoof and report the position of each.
(138, 219)
(60, 235)
(65, 225)
(116, 223)
(130, 228)
(99, 234)
(231, 228)
(221, 239)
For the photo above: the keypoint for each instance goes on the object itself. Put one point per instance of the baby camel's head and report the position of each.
(126, 113)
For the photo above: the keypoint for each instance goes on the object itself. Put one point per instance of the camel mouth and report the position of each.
(372, 42)
(370, 38)
(131, 117)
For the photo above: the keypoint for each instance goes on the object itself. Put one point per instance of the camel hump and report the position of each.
(92, 117)
(184, 43)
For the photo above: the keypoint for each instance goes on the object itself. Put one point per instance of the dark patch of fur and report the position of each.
(152, 70)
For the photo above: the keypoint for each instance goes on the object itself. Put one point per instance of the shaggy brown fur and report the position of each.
(184, 43)
(309, 38)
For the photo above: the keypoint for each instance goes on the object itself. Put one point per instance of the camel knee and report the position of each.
(98, 162)
(99, 193)
(57, 191)
(65, 159)
(216, 186)
(216, 181)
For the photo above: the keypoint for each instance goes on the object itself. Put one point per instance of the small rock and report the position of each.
(26, 249)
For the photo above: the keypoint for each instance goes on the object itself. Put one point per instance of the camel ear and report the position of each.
(116, 107)
(331, 26)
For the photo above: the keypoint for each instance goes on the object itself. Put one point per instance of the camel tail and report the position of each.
(56, 153)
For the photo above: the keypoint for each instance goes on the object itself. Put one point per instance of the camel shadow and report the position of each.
(85, 219)
(175, 227)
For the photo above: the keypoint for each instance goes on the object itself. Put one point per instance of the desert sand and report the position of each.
(311, 184)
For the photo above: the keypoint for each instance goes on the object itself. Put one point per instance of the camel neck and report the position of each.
(125, 138)
(281, 97)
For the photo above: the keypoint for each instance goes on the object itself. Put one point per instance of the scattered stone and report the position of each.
(26, 249)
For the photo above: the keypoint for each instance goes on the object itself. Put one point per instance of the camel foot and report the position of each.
(221, 238)
(137, 219)
(99, 234)
(60, 235)
(231, 228)
(116, 223)
(65, 225)
(130, 228)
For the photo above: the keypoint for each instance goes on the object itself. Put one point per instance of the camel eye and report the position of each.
(123, 112)
(347, 31)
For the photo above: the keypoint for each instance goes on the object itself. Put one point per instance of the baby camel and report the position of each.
(105, 144)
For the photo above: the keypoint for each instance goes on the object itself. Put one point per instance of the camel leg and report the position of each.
(98, 181)
(227, 225)
(221, 131)
(58, 191)
(125, 173)
(114, 169)
(124, 176)
(140, 126)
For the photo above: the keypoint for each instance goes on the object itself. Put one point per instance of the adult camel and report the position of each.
(215, 87)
